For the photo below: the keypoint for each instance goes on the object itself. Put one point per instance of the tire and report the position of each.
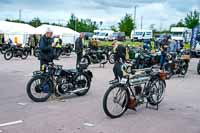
(8, 55)
(48, 92)
(198, 68)
(184, 70)
(85, 60)
(125, 101)
(168, 69)
(88, 83)
(111, 58)
(36, 52)
(151, 98)
(104, 59)
(24, 55)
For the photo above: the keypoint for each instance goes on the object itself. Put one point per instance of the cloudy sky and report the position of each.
(162, 13)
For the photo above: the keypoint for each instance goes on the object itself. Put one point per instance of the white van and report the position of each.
(103, 34)
(181, 34)
(140, 34)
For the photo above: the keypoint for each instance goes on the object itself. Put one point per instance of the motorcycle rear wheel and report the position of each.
(24, 55)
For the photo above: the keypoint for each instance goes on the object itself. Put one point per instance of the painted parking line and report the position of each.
(11, 123)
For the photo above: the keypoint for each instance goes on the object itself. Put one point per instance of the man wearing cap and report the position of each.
(46, 51)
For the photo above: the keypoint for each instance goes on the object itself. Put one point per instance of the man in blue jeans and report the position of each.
(164, 46)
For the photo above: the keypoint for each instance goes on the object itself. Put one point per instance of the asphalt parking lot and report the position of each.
(178, 113)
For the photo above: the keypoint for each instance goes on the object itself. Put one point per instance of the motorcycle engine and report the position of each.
(63, 87)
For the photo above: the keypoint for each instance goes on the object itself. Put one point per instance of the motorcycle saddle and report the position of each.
(70, 70)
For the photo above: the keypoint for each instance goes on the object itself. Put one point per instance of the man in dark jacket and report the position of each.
(164, 46)
(79, 48)
(46, 51)
(120, 58)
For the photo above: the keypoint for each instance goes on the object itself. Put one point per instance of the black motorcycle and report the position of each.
(65, 50)
(95, 57)
(198, 68)
(15, 51)
(56, 80)
(145, 59)
(176, 65)
(132, 90)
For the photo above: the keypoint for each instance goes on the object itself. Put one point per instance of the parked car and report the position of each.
(119, 36)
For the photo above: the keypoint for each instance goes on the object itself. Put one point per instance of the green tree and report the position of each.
(127, 24)
(192, 19)
(35, 22)
(81, 25)
(114, 28)
(180, 23)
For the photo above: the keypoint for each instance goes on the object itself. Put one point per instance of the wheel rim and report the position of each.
(81, 82)
(111, 58)
(39, 89)
(117, 101)
(8, 55)
(158, 91)
(84, 61)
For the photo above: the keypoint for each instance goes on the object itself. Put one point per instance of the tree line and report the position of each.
(126, 24)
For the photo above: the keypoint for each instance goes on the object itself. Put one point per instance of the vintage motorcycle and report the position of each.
(53, 79)
(15, 51)
(176, 64)
(95, 57)
(132, 90)
(65, 50)
(145, 59)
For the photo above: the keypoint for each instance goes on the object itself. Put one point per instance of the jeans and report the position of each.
(78, 59)
(162, 60)
(117, 70)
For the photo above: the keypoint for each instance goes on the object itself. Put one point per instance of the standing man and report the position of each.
(46, 51)
(79, 48)
(120, 58)
(164, 47)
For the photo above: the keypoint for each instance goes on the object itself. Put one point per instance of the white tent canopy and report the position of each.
(15, 28)
(68, 35)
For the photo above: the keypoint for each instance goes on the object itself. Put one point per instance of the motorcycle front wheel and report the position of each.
(168, 70)
(115, 101)
(8, 55)
(38, 89)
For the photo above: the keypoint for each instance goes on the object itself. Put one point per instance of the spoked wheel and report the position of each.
(156, 92)
(36, 52)
(24, 55)
(115, 101)
(85, 60)
(38, 89)
(104, 58)
(184, 70)
(82, 83)
(8, 55)
(111, 59)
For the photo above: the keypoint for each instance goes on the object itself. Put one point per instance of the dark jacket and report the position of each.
(79, 45)
(120, 53)
(46, 50)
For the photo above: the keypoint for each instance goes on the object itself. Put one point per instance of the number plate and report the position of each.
(123, 81)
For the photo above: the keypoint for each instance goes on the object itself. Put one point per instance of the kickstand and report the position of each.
(152, 107)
